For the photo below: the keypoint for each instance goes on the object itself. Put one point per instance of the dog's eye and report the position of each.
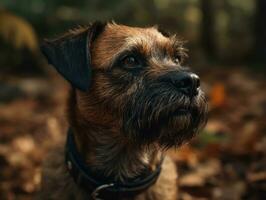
(130, 62)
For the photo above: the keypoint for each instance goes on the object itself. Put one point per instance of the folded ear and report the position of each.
(71, 56)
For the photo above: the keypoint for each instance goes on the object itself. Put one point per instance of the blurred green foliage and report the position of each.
(232, 28)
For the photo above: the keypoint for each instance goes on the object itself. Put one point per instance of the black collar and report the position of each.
(103, 187)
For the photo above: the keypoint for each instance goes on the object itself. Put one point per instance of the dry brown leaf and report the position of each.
(201, 173)
(217, 95)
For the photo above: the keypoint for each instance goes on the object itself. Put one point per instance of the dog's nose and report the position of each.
(186, 82)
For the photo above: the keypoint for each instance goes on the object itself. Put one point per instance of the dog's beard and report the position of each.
(161, 114)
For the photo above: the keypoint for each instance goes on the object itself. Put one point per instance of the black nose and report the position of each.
(185, 82)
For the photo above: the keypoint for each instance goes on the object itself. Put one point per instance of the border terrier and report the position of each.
(131, 99)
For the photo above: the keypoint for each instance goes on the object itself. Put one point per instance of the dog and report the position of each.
(131, 99)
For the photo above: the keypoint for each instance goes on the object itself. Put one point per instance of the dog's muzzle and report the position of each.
(170, 110)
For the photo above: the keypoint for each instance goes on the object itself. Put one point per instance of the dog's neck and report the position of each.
(105, 150)
(113, 158)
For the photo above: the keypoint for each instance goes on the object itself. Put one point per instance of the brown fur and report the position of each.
(98, 117)
(57, 184)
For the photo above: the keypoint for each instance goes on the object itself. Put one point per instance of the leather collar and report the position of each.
(101, 187)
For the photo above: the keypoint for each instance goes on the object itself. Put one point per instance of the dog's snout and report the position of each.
(186, 82)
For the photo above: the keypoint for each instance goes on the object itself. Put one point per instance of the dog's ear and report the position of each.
(71, 54)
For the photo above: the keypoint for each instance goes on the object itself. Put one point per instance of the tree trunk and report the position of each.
(208, 28)
(260, 30)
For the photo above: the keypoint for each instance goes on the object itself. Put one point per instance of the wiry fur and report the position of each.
(57, 183)
(127, 119)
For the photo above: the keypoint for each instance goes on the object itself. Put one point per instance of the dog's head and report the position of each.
(135, 79)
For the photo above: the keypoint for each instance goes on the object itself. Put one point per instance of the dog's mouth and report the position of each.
(169, 121)
(182, 111)
(178, 118)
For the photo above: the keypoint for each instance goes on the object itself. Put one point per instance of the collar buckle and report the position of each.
(96, 192)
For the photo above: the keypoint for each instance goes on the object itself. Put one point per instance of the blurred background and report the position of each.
(227, 48)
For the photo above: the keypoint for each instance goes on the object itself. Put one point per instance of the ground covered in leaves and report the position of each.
(226, 161)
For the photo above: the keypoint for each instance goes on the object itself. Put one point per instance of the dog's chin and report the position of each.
(172, 130)
(169, 120)
(178, 128)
